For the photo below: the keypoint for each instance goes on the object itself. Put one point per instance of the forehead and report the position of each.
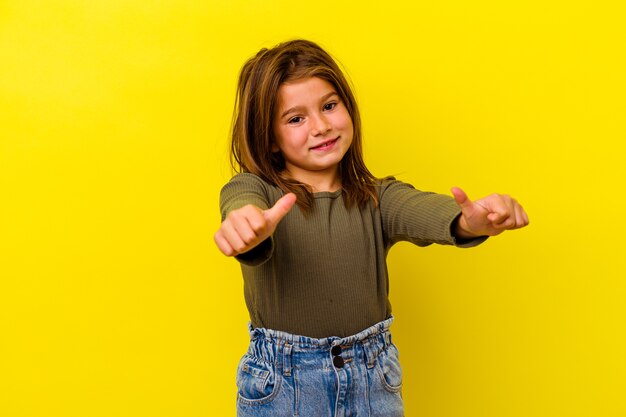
(304, 90)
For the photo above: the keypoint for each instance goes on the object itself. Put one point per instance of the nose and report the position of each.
(320, 125)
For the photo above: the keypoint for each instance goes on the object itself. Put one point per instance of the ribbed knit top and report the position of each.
(325, 273)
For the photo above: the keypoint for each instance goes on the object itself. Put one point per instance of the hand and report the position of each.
(488, 216)
(245, 228)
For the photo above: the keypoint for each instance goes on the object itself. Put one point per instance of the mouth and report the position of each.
(326, 145)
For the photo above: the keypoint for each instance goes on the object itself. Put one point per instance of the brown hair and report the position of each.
(253, 118)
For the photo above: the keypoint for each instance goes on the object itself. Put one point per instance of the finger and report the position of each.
(222, 244)
(241, 221)
(522, 216)
(516, 214)
(275, 214)
(519, 218)
(232, 237)
(461, 198)
(510, 204)
(498, 218)
(257, 221)
(501, 210)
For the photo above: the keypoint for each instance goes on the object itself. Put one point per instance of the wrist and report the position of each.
(461, 230)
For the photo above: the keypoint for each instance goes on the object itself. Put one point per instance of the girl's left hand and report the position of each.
(488, 216)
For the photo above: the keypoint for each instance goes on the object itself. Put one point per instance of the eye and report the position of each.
(330, 106)
(295, 120)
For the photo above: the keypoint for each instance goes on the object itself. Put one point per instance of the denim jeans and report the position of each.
(289, 375)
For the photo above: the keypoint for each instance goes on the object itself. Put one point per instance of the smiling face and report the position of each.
(312, 129)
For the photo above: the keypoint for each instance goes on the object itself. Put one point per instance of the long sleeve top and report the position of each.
(324, 273)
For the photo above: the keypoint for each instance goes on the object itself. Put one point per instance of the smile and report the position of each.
(324, 146)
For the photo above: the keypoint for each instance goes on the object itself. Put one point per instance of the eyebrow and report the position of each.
(298, 108)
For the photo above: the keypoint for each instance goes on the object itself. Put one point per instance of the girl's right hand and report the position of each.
(245, 228)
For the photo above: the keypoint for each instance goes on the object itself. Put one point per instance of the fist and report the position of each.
(245, 228)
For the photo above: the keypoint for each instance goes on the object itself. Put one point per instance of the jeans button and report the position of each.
(338, 362)
(336, 350)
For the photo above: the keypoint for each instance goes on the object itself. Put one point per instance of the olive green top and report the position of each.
(325, 274)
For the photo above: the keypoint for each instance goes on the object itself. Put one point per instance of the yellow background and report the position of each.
(114, 122)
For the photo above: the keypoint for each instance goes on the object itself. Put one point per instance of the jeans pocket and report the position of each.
(389, 369)
(257, 382)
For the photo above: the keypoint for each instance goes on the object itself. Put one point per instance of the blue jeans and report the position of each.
(288, 375)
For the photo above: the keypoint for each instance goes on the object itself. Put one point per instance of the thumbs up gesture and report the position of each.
(245, 228)
(488, 216)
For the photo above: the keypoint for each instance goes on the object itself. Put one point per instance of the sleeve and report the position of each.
(419, 217)
(241, 190)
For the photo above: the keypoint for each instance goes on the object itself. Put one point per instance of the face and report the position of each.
(312, 128)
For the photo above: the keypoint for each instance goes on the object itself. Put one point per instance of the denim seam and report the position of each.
(261, 401)
(381, 374)
(260, 359)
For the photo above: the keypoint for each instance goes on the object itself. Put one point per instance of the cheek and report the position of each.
(286, 139)
(348, 128)
(345, 122)
(281, 138)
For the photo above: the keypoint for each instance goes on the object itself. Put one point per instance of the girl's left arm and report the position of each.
(488, 216)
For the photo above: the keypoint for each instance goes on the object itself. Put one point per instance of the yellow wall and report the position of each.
(114, 117)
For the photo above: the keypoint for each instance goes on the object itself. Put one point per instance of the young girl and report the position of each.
(311, 227)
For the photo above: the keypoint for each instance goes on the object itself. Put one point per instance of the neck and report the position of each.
(318, 180)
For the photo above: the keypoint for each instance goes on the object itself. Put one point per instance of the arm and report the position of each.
(250, 211)
(419, 217)
(245, 228)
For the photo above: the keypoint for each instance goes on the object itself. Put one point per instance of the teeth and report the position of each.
(325, 144)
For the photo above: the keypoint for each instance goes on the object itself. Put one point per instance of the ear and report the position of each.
(275, 148)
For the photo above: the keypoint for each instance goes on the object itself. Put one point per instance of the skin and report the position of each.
(309, 114)
(488, 216)
(245, 228)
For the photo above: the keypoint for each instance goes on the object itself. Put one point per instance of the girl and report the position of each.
(311, 227)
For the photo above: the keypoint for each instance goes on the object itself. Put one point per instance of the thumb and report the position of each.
(461, 198)
(275, 214)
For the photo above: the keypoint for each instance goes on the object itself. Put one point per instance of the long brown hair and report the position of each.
(253, 118)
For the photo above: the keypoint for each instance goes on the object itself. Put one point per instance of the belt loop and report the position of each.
(287, 359)
(370, 355)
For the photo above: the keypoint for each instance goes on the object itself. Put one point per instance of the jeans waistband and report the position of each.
(278, 347)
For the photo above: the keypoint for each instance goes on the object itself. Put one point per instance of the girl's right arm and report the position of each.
(247, 227)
